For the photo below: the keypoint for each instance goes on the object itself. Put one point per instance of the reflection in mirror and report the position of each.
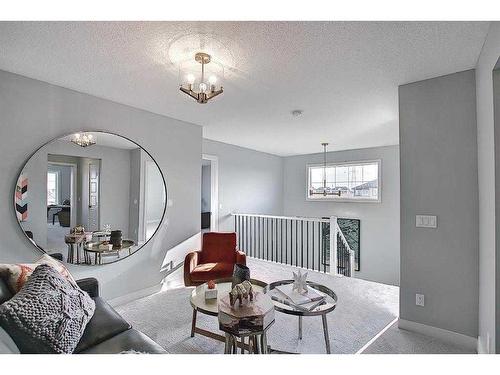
(93, 197)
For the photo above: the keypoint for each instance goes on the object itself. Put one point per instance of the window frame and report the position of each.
(345, 163)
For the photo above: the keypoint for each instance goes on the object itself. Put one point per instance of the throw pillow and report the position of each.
(48, 314)
(15, 275)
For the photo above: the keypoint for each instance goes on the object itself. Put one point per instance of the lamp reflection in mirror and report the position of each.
(83, 139)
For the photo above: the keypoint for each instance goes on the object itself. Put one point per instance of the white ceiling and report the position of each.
(343, 75)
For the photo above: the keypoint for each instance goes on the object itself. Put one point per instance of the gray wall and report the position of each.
(249, 181)
(379, 221)
(486, 176)
(438, 152)
(34, 112)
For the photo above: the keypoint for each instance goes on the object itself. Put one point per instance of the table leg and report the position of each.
(325, 331)
(235, 344)
(242, 345)
(95, 258)
(263, 340)
(193, 323)
(300, 327)
(227, 345)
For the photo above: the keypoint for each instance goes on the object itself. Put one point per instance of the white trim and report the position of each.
(346, 200)
(481, 347)
(372, 340)
(214, 190)
(301, 218)
(121, 300)
(443, 334)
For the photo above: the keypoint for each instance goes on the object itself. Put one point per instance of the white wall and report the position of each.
(379, 243)
(33, 113)
(249, 181)
(486, 176)
(438, 152)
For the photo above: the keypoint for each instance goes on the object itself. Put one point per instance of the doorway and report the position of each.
(209, 193)
(61, 202)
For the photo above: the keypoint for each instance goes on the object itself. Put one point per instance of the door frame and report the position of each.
(73, 188)
(214, 190)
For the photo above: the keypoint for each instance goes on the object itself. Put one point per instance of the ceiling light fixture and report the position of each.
(201, 85)
(326, 190)
(297, 112)
(83, 139)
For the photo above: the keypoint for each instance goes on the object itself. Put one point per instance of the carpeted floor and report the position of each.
(364, 309)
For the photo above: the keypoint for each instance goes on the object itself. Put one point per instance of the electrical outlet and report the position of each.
(419, 300)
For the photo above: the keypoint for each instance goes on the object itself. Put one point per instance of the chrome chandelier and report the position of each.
(201, 85)
(326, 191)
(83, 139)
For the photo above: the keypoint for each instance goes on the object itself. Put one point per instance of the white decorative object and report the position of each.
(211, 293)
(299, 282)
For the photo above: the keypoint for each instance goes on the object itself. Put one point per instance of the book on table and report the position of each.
(307, 301)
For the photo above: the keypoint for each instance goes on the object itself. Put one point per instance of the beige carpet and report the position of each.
(364, 309)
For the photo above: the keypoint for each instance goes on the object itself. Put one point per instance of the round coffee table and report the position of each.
(321, 310)
(211, 306)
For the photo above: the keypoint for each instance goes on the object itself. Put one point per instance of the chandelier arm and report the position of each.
(214, 93)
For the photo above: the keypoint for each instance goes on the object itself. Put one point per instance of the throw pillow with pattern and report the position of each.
(48, 314)
(15, 275)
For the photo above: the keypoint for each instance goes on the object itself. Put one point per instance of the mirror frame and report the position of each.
(32, 243)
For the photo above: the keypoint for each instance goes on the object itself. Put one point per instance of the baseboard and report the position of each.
(456, 338)
(134, 295)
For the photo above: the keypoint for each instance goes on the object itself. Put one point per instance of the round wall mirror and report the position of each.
(91, 197)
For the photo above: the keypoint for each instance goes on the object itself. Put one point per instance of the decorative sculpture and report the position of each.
(241, 292)
(299, 282)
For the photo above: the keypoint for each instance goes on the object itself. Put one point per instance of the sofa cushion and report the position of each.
(5, 292)
(15, 275)
(105, 324)
(7, 345)
(211, 271)
(128, 341)
(48, 314)
(218, 247)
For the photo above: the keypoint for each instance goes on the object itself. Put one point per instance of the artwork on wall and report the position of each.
(351, 230)
(21, 198)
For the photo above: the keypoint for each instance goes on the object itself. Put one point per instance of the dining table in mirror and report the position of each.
(92, 197)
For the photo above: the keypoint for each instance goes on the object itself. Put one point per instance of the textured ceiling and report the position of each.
(343, 75)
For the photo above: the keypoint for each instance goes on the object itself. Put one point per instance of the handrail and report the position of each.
(352, 254)
(302, 218)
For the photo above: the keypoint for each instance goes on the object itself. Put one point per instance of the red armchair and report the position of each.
(216, 259)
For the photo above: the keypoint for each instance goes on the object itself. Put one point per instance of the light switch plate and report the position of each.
(419, 300)
(426, 221)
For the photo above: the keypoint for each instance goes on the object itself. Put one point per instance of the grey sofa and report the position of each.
(107, 332)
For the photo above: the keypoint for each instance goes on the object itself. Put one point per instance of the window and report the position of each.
(352, 181)
(52, 187)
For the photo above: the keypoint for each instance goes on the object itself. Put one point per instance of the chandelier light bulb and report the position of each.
(203, 87)
(212, 80)
(190, 78)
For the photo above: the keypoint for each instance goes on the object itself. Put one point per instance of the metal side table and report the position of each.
(321, 310)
